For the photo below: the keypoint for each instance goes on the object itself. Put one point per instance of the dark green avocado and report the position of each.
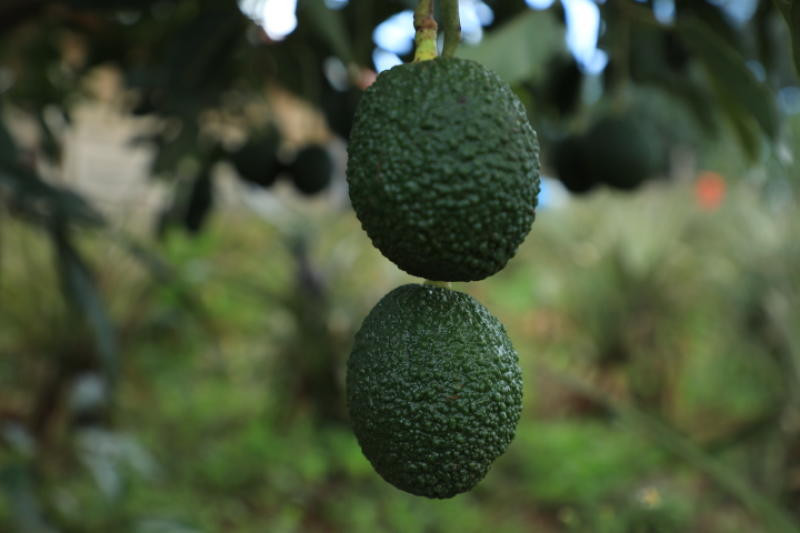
(312, 169)
(623, 151)
(572, 166)
(257, 161)
(434, 390)
(443, 169)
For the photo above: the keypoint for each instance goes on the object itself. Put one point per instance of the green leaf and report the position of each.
(33, 197)
(746, 132)
(519, 49)
(696, 100)
(49, 143)
(329, 25)
(794, 27)
(79, 289)
(791, 12)
(731, 77)
(714, 19)
(199, 203)
(18, 488)
(8, 149)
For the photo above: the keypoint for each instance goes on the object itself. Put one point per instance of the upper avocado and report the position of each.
(443, 169)
(434, 390)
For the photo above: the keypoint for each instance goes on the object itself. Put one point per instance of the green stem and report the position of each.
(452, 27)
(440, 284)
(425, 25)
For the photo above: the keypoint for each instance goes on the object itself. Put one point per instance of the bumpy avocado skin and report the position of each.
(443, 169)
(434, 390)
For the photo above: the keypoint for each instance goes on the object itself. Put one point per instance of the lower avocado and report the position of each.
(434, 390)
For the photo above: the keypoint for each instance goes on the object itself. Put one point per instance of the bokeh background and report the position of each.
(181, 274)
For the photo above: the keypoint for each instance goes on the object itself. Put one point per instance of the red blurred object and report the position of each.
(366, 77)
(709, 190)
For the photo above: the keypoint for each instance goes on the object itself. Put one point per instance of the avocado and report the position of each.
(562, 89)
(257, 161)
(443, 169)
(312, 169)
(623, 151)
(434, 390)
(572, 166)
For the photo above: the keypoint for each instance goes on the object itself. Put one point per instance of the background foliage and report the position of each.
(176, 371)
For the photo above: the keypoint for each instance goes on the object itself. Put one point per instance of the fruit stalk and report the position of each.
(452, 27)
(426, 28)
(440, 284)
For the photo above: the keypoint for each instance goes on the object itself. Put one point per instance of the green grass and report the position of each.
(657, 342)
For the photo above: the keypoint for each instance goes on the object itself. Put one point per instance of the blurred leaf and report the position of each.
(41, 201)
(794, 27)
(520, 49)
(732, 78)
(581, 477)
(745, 130)
(8, 149)
(201, 198)
(714, 20)
(17, 486)
(670, 440)
(49, 144)
(696, 99)
(173, 150)
(164, 525)
(766, 44)
(112, 458)
(329, 25)
(80, 290)
(791, 12)
(190, 61)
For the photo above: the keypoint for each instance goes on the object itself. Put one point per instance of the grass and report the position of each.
(657, 341)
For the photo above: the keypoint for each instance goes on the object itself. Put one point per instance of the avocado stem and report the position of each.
(426, 28)
(440, 284)
(452, 27)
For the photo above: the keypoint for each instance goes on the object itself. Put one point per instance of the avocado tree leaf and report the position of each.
(714, 19)
(8, 148)
(696, 99)
(730, 76)
(41, 201)
(81, 292)
(794, 27)
(746, 130)
(199, 203)
(49, 143)
(31, 196)
(790, 9)
(24, 504)
(329, 25)
(519, 49)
